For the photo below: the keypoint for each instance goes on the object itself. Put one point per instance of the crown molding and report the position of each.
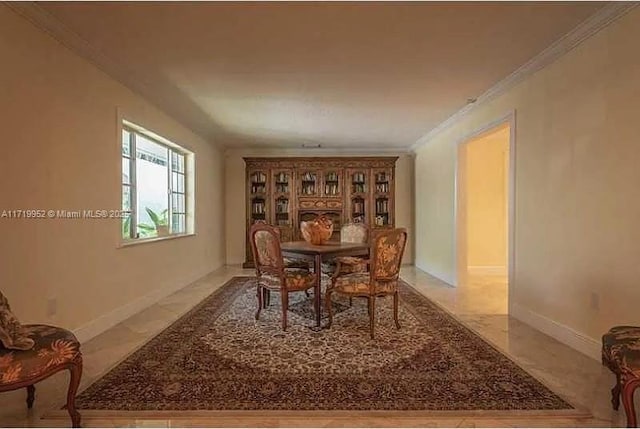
(56, 29)
(51, 25)
(68, 38)
(587, 28)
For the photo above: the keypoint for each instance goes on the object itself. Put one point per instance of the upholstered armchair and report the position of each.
(349, 233)
(271, 274)
(387, 248)
(31, 353)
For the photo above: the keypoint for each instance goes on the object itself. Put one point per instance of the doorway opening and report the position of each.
(483, 217)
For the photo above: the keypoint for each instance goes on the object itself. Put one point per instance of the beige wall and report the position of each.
(577, 239)
(486, 199)
(435, 174)
(61, 151)
(235, 194)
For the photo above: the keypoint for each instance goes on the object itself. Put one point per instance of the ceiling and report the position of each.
(356, 75)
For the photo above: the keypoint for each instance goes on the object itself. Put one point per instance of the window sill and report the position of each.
(138, 241)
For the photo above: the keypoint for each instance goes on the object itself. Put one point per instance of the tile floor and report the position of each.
(481, 304)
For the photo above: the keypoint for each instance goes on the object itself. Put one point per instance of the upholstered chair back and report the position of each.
(354, 233)
(265, 246)
(387, 248)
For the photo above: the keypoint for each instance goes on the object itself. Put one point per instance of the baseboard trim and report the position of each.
(99, 325)
(487, 270)
(440, 276)
(566, 335)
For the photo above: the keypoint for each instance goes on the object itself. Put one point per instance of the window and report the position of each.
(155, 191)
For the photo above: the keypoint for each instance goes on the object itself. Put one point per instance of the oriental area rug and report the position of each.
(218, 357)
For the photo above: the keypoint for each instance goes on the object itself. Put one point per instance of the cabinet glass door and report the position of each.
(332, 183)
(258, 185)
(309, 183)
(357, 183)
(382, 209)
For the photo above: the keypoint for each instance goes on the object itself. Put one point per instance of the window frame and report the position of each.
(187, 173)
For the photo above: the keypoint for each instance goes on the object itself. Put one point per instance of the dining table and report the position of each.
(317, 253)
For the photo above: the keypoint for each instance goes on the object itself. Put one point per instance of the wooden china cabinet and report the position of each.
(285, 191)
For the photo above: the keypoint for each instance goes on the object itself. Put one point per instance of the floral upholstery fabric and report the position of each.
(12, 334)
(295, 279)
(621, 350)
(351, 260)
(348, 265)
(267, 252)
(267, 248)
(360, 283)
(349, 233)
(52, 346)
(388, 254)
(353, 233)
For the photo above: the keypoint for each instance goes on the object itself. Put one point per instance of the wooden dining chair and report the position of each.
(354, 232)
(289, 262)
(387, 248)
(271, 274)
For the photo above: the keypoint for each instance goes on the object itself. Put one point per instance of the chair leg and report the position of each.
(31, 395)
(285, 308)
(75, 371)
(350, 301)
(395, 309)
(372, 315)
(627, 400)
(615, 393)
(329, 307)
(266, 294)
(259, 293)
